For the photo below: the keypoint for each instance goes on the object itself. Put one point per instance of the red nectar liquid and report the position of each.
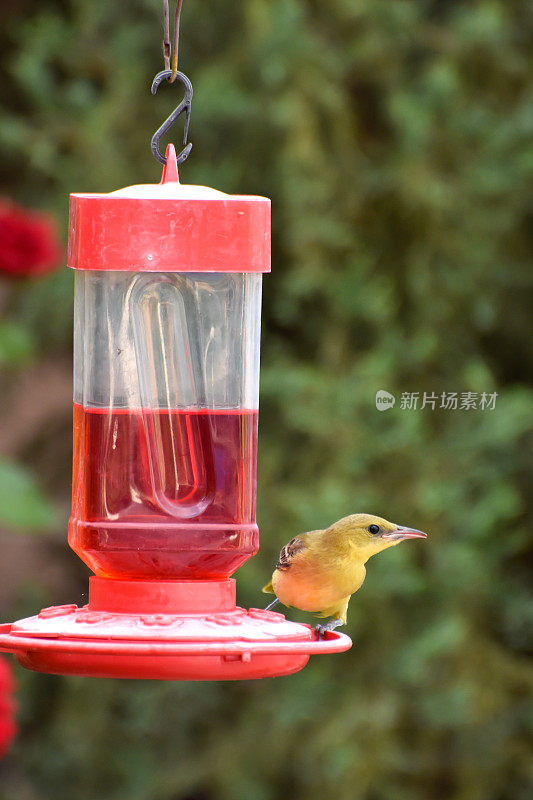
(165, 494)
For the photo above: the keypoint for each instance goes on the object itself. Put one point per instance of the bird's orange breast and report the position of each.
(313, 589)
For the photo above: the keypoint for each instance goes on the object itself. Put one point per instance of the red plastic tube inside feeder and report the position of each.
(166, 389)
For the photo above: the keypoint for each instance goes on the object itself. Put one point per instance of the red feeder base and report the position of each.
(168, 630)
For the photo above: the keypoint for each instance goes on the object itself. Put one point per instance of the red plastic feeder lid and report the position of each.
(150, 629)
(169, 227)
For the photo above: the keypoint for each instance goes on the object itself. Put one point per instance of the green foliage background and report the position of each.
(395, 138)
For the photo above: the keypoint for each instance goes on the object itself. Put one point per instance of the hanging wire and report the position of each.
(169, 50)
(170, 73)
(167, 47)
(175, 49)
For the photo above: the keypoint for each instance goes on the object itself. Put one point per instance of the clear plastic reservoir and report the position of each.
(166, 382)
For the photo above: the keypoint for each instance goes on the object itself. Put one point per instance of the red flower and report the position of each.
(8, 727)
(29, 242)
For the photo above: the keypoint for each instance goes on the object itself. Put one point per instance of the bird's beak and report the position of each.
(404, 533)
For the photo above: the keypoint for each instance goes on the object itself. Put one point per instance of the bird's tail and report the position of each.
(268, 589)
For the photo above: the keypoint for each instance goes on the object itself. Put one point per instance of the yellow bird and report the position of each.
(320, 570)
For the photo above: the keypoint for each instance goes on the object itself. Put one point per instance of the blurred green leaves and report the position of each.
(22, 504)
(16, 344)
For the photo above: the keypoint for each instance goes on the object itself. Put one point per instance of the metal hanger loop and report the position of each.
(183, 108)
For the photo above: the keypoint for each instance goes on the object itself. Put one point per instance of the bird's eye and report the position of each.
(373, 529)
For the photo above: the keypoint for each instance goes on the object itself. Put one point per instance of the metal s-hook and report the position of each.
(184, 107)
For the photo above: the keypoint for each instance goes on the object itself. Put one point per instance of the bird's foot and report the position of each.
(327, 626)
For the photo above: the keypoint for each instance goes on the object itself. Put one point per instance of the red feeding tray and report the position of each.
(166, 638)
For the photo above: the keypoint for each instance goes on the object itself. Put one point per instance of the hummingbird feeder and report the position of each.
(166, 388)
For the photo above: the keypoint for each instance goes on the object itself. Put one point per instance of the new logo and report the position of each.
(384, 400)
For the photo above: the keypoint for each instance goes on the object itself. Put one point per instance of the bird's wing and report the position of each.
(295, 546)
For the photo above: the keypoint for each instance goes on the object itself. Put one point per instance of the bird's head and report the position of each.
(369, 534)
